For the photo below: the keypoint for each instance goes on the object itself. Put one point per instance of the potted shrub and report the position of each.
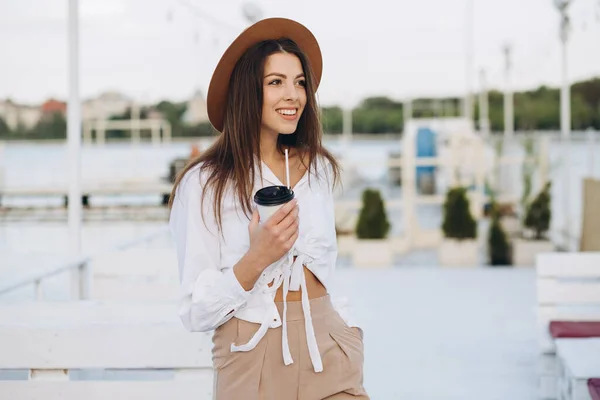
(459, 245)
(372, 247)
(498, 244)
(536, 225)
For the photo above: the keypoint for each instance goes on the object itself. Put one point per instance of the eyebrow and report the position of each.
(282, 75)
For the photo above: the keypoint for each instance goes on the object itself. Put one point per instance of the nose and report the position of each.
(291, 92)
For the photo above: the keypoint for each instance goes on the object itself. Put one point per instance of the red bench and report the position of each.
(574, 329)
(594, 388)
(568, 308)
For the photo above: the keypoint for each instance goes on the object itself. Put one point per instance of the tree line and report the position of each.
(537, 109)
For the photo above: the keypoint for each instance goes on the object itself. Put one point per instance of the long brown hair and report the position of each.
(230, 160)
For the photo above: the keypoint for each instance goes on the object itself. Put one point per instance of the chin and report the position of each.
(286, 130)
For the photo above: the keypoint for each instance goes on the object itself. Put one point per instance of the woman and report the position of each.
(262, 286)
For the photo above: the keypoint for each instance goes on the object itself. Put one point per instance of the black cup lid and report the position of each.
(273, 195)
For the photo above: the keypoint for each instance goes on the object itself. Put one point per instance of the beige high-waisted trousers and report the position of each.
(260, 374)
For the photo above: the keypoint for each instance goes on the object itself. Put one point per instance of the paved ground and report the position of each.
(445, 334)
(437, 334)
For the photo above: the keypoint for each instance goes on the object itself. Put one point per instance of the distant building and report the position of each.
(52, 106)
(16, 115)
(105, 106)
(196, 109)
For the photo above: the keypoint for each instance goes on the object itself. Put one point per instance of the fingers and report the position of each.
(254, 221)
(289, 219)
(283, 212)
(292, 239)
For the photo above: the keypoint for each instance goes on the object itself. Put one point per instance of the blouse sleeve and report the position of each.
(209, 296)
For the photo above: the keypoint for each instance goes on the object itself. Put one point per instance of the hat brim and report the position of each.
(271, 28)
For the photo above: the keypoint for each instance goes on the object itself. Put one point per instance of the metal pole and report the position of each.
(509, 124)
(484, 121)
(74, 144)
(565, 95)
(467, 103)
(565, 118)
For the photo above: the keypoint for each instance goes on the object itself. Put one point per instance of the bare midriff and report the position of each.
(313, 285)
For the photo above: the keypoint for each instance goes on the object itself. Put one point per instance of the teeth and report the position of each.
(287, 112)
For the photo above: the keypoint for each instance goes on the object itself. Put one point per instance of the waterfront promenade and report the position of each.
(430, 333)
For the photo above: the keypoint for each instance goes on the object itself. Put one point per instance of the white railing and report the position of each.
(78, 266)
(159, 129)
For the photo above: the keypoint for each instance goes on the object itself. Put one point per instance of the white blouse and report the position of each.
(210, 292)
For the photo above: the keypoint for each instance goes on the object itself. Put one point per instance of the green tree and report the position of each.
(173, 112)
(458, 222)
(51, 126)
(372, 220)
(332, 119)
(4, 128)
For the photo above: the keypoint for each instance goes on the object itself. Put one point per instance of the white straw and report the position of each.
(287, 170)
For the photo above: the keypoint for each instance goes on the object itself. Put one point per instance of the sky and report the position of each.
(167, 49)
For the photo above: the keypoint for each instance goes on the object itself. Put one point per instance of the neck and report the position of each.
(268, 146)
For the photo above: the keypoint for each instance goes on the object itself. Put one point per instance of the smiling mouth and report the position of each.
(288, 112)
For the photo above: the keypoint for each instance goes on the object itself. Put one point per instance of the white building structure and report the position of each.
(196, 112)
(104, 106)
(19, 115)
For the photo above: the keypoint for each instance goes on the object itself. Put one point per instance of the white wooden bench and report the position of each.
(568, 289)
(136, 274)
(50, 339)
(578, 362)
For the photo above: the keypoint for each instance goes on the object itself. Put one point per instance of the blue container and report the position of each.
(426, 147)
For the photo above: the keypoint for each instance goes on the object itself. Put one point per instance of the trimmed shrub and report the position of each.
(372, 220)
(458, 222)
(539, 213)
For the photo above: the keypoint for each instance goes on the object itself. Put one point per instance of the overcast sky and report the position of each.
(155, 49)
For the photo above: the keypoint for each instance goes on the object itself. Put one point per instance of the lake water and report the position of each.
(43, 164)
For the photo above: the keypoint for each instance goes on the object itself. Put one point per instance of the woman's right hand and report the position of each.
(274, 238)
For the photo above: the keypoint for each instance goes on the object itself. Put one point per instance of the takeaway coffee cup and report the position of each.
(270, 199)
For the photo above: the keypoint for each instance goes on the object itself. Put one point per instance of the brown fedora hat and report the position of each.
(271, 28)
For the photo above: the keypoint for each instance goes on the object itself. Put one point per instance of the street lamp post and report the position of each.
(565, 115)
(80, 278)
(468, 100)
(565, 96)
(509, 119)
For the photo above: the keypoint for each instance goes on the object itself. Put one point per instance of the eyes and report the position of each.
(277, 82)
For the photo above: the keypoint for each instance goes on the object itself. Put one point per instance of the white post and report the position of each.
(484, 121)
(565, 117)
(135, 122)
(479, 194)
(543, 159)
(155, 133)
(87, 133)
(346, 127)
(101, 132)
(407, 113)
(591, 149)
(74, 142)
(509, 119)
(166, 126)
(467, 103)
(409, 187)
